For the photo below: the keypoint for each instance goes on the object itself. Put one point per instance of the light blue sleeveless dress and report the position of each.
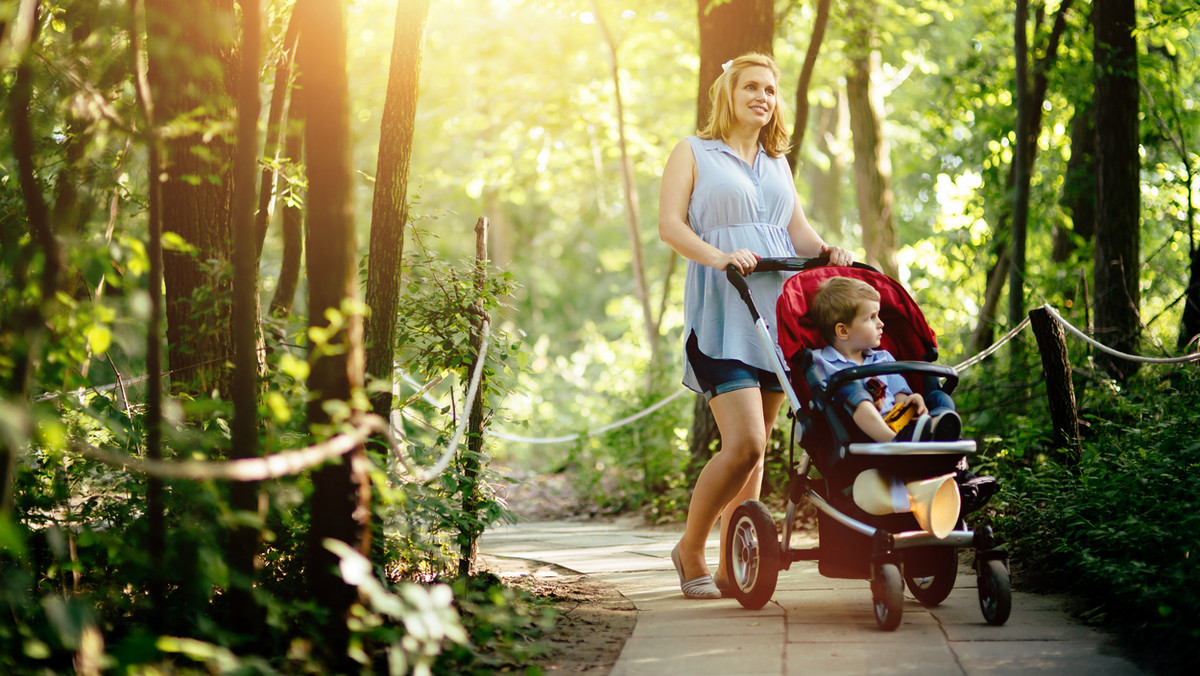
(735, 206)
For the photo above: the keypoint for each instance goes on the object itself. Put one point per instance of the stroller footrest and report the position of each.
(913, 448)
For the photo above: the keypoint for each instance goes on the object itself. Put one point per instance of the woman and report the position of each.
(727, 199)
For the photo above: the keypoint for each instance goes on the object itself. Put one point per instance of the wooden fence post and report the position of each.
(469, 534)
(1060, 391)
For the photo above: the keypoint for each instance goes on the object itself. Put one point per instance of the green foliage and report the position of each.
(1117, 530)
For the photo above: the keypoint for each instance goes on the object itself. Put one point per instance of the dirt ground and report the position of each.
(595, 619)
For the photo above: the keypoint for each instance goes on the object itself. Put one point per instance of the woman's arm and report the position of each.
(808, 243)
(674, 194)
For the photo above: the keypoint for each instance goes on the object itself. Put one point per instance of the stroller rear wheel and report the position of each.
(995, 591)
(931, 574)
(887, 592)
(753, 554)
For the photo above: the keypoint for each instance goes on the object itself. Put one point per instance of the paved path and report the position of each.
(813, 625)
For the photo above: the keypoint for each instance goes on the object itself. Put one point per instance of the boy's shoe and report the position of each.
(916, 430)
(975, 491)
(946, 426)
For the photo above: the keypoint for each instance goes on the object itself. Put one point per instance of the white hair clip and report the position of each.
(725, 66)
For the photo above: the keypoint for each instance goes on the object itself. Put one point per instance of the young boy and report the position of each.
(847, 314)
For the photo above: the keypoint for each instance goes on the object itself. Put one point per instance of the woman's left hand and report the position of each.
(837, 255)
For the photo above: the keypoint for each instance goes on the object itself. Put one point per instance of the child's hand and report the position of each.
(914, 400)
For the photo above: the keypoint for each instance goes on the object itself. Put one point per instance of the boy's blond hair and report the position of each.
(838, 301)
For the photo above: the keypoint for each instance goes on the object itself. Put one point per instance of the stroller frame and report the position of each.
(896, 551)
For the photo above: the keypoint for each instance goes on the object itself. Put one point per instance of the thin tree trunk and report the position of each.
(632, 210)
(1118, 203)
(982, 335)
(292, 221)
(276, 131)
(1020, 213)
(810, 62)
(827, 185)
(243, 546)
(872, 170)
(155, 516)
(1079, 185)
(472, 459)
(389, 209)
(340, 502)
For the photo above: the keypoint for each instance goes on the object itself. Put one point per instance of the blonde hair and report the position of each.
(773, 137)
(838, 301)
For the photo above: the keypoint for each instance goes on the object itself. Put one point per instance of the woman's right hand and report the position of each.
(742, 260)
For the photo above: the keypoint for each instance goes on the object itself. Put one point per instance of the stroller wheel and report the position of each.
(930, 574)
(887, 591)
(753, 554)
(995, 591)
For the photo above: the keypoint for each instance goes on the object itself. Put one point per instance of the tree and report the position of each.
(190, 52)
(1118, 191)
(1031, 99)
(340, 502)
(389, 208)
(243, 548)
(810, 62)
(872, 167)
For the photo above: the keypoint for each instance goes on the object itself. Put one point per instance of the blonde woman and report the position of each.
(727, 199)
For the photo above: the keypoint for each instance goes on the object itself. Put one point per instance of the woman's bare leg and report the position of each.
(771, 402)
(740, 418)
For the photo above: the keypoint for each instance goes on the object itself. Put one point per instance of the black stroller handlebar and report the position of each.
(899, 367)
(769, 265)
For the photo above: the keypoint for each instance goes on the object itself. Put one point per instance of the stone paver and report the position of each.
(813, 625)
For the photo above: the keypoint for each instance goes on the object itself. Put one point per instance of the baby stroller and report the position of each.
(916, 540)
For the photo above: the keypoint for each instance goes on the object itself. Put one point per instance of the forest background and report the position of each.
(551, 120)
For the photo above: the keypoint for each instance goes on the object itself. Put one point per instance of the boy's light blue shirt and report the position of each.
(829, 361)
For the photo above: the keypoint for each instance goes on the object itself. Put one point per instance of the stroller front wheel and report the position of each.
(887, 592)
(753, 553)
(995, 591)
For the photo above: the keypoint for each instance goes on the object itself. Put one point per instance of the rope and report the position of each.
(299, 460)
(590, 433)
(242, 469)
(1117, 353)
(993, 347)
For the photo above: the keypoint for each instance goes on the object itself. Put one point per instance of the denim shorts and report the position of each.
(718, 376)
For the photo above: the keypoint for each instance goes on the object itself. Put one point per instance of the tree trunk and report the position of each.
(982, 336)
(291, 223)
(471, 461)
(190, 52)
(827, 185)
(727, 31)
(872, 168)
(1060, 390)
(1020, 194)
(155, 513)
(1079, 184)
(243, 539)
(340, 502)
(389, 208)
(632, 209)
(1115, 284)
(1190, 326)
(810, 62)
(277, 125)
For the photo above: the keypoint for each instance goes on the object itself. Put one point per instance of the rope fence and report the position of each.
(298, 460)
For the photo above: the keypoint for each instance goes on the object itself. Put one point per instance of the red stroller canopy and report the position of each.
(906, 334)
